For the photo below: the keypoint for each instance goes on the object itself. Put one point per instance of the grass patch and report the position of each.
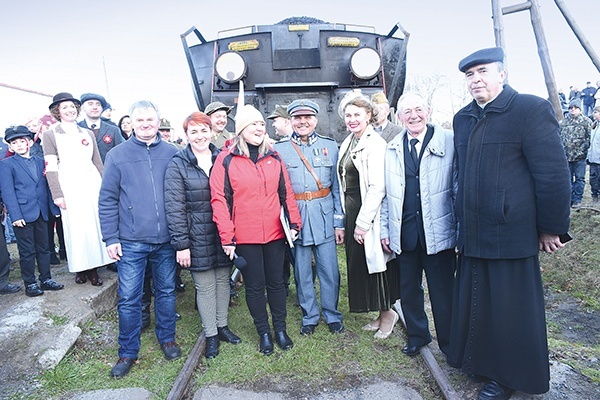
(58, 319)
(319, 361)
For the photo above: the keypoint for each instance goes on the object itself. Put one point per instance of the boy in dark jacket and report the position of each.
(27, 197)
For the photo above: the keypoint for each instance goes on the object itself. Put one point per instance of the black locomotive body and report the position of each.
(279, 63)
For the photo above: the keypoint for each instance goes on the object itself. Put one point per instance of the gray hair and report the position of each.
(144, 104)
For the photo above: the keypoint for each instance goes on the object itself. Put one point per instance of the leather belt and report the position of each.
(317, 194)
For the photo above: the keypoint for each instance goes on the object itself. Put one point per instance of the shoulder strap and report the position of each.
(307, 164)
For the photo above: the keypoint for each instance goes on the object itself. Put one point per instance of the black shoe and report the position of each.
(495, 391)
(336, 327)
(212, 346)
(171, 350)
(49, 284)
(283, 340)
(177, 316)
(33, 290)
(265, 345)
(112, 267)
(179, 285)
(122, 367)
(10, 288)
(225, 335)
(307, 330)
(54, 259)
(411, 350)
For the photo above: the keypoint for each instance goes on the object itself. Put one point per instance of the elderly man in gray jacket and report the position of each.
(418, 221)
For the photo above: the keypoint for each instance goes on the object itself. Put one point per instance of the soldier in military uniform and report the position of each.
(218, 113)
(575, 130)
(311, 161)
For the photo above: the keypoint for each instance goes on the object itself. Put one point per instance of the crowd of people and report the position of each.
(471, 209)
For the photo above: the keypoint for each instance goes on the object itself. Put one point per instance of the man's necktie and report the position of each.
(413, 151)
(93, 126)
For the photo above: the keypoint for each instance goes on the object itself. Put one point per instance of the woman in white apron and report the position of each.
(74, 173)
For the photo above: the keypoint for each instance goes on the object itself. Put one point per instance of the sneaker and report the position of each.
(307, 329)
(336, 327)
(10, 288)
(171, 350)
(50, 284)
(33, 290)
(122, 367)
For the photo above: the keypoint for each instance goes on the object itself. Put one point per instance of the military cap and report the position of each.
(483, 56)
(63, 96)
(303, 107)
(164, 124)
(93, 96)
(15, 132)
(280, 111)
(216, 106)
(379, 98)
(575, 103)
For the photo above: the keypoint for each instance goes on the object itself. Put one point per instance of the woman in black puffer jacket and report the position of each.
(194, 235)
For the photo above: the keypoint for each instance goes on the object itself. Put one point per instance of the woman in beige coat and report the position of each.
(372, 286)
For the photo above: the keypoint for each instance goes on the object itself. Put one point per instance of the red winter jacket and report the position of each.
(246, 198)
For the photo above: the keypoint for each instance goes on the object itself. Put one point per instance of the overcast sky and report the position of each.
(65, 45)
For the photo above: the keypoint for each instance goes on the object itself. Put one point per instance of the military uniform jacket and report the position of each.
(108, 137)
(319, 216)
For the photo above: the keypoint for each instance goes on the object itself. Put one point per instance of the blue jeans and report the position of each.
(595, 179)
(577, 169)
(131, 270)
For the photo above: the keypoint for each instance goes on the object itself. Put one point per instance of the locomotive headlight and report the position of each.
(230, 67)
(365, 63)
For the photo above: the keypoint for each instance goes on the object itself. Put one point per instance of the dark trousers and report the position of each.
(32, 242)
(52, 222)
(264, 270)
(4, 260)
(595, 179)
(439, 269)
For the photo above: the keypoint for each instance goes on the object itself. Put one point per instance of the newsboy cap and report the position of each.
(63, 96)
(15, 132)
(280, 111)
(483, 56)
(93, 96)
(379, 98)
(575, 103)
(303, 107)
(216, 106)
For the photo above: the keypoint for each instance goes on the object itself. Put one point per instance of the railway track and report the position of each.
(182, 387)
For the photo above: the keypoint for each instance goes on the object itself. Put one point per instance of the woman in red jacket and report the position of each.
(249, 187)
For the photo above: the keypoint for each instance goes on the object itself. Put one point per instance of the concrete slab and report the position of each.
(115, 394)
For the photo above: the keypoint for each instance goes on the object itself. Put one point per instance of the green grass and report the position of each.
(321, 360)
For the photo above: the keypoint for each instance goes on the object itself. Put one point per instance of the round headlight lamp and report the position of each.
(365, 63)
(230, 67)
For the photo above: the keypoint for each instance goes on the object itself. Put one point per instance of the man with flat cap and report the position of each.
(107, 135)
(311, 160)
(281, 122)
(218, 113)
(513, 201)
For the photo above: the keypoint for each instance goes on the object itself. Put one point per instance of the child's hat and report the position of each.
(15, 132)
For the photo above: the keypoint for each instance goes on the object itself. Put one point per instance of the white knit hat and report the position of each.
(245, 116)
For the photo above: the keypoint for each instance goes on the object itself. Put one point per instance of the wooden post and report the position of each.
(540, 38)
(579, 33)
(499, 30)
